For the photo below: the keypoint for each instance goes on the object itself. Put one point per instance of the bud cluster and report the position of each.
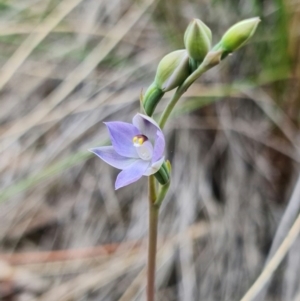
(176, 66)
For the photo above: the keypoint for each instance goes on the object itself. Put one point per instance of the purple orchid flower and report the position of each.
(137, 149)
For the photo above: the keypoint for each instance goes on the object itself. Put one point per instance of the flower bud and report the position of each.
(237, 35)
(172, 70)
(151, 98)
(163, 175)
(197, 40)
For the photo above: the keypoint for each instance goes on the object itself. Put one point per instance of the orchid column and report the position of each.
(138, 149)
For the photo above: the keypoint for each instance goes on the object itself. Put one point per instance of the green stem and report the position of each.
(152, 243)
(154, 205)
(152, 189)
(212, 59)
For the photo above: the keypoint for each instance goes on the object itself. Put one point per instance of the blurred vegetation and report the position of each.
(67, 66)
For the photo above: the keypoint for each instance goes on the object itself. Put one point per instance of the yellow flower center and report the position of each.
(138, 140)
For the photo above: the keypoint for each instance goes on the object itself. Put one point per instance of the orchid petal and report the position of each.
(159, 146)
(154, 167)
(132, 173)
(110, 156)
(137, 149)
(121, 135)
(146, 125)
(145, 151)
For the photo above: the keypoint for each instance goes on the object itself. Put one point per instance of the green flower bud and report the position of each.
(163, 175)
(237, 35)
(172, 70)
(197, 40)
(151, 98)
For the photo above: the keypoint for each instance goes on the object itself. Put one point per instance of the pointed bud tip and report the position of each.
(256, 19)
(197, 39)
(238, 34)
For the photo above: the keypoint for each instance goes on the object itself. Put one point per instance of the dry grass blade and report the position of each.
(285, 224)
(79, 74)
(30, 29)
(291, 278)
(35, 38)
(134, 287)
(287, 220)
(274, 262)
(277, 115)
(113, 267)
(92, 280)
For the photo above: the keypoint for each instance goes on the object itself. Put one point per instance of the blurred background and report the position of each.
(233, 141)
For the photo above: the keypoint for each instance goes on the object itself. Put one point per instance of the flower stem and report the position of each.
(153, 222)
(211, 60)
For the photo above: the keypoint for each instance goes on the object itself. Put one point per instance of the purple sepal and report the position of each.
(131, 174)
(110, 156)
(121, 134)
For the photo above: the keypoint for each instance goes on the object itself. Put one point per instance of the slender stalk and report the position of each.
(151, 189)
(152, 243)
(211, 60)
